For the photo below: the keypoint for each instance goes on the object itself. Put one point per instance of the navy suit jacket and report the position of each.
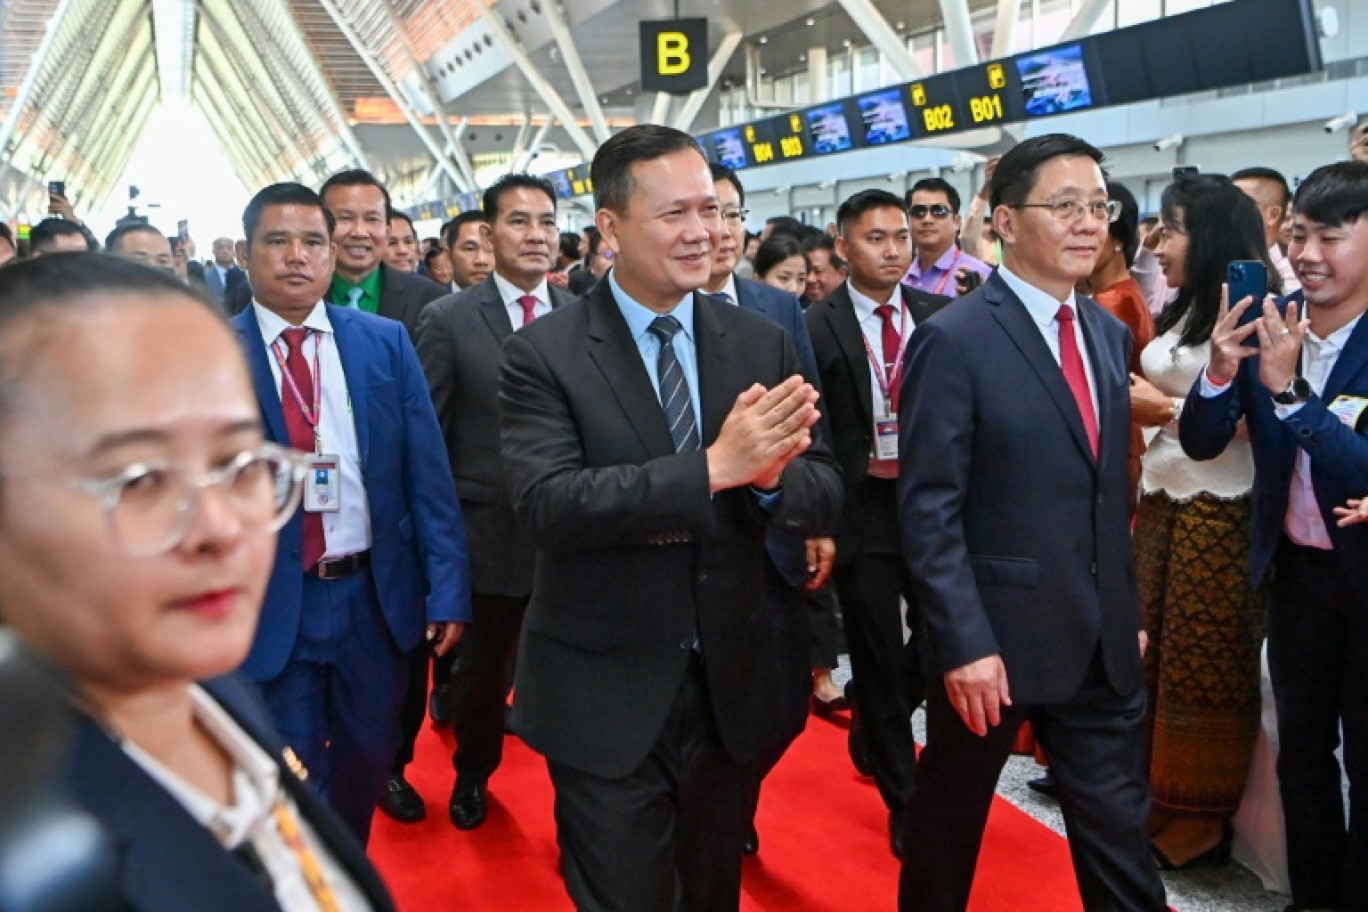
(1017, 539)
(788, 551)
(418, 547)
(167, 861)
(1339, 454)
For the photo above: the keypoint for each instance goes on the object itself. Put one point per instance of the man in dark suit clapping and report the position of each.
(460, 338)
(650, 435)
(1014, 503)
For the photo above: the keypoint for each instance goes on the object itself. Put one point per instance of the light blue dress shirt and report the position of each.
(639, 319)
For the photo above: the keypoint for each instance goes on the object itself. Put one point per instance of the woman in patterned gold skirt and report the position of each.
(1205, 624)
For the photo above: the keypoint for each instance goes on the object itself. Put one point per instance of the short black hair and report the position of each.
(774, 250)
(611, 170)
(1334, 194)
(452, 229)
(46, 232)
(1271, 175)
(516, 181)
(118, 234)
(786, 224)
(1222, 224)
(402, 216)
(722, 173)
(355, 177)
(936, 185)
(58, 283)
(1126, 229)
(287, 194)
(1017, 171)
(824, 241)
(569, 244)
(865, 201)
(431, 255)
(595, 242)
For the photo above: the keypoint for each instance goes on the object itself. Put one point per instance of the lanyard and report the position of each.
(309, 864)
(311, 413)
(888, 380)
(940, 289)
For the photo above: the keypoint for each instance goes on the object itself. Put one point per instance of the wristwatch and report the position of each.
(1298, 391)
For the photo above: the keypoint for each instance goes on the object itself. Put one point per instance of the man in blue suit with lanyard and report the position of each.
(1297, 374)
(375, 560)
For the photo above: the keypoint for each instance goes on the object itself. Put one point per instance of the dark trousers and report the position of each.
(887, 681)
(338, 699)
(1318, 661)
(824, 630)
(1095, 746)
(669, 835)
(414, 711)
(480, 682)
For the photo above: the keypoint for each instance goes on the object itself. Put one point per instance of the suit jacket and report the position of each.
(1017, 539)
(223, 289)
(460, 344)
(418, 548)
(635, 557)
(1339, 453)
(403, 295)
(167, 861)
(848, 401)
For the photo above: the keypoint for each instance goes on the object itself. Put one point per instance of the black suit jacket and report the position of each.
(635, 556)
(168, 862)
(848, 401)
(403, 295)
(460, 343)
(1018, 541)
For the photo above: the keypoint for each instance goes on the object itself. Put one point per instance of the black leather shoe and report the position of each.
(855, 739)
(752, 844)
(469, 805)
(1045, 785)
(895, 834)
(401, 801)
(439, 707)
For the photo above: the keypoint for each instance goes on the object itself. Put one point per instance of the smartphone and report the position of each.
(1185, 171)
(969, 281)
(1247, 278)
(57, 188)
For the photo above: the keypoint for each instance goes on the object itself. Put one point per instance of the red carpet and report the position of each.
(823, 842)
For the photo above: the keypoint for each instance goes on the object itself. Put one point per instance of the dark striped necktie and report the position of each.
(674, 391)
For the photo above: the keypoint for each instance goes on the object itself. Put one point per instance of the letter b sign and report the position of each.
(674, 56)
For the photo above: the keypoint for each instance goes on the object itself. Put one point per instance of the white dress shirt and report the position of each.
(1044, 311)
(510, 294)
(871, 325)
(729, 290)
(249, 819)
(348, 530)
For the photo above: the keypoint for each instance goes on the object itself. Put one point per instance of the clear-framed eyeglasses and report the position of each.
(735, 215)
(1071, 210)
(151, 506)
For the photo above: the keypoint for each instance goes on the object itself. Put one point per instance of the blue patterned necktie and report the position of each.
(674, 391)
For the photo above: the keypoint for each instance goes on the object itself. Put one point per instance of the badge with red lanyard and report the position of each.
(323, 483)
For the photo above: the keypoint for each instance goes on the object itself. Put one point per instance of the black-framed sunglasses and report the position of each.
(936, 210)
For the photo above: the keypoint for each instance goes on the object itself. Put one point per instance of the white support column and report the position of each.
(534, 145)
(520, 141)
(1004, 32)
(1084, 20)
(548, 93)
(457, 151)
(397, 96)
(875, 27)
(819, 84)
(660, 111)
(579, 76)
(960, 30)
(694, 102)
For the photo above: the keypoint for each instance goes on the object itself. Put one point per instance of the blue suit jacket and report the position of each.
(166, 859)
(788, 551)
(1339, 454)
(418, 549)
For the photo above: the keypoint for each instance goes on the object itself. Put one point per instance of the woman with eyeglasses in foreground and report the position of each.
(138, 509)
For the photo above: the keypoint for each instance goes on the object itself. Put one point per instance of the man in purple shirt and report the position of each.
(933, 208)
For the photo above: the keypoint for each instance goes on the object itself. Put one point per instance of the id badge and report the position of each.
(885, 438)
(1349, 409)
(323, 485)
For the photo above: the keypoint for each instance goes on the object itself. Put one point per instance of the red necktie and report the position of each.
(892, 349)
(302, 433)
(1074, 375)
(529, 304)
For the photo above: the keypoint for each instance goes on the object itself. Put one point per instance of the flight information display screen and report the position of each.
(730, 149)
(884, 117)
(1054, 81)
(830, 129)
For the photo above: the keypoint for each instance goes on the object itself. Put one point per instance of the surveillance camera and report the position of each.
(1168, 142)
(1343, 122)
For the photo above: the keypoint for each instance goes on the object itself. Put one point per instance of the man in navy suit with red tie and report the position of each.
(1014, 501)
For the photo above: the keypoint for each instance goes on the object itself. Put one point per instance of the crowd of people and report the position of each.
(271, 512)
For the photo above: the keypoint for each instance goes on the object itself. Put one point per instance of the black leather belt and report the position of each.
(341, 566)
